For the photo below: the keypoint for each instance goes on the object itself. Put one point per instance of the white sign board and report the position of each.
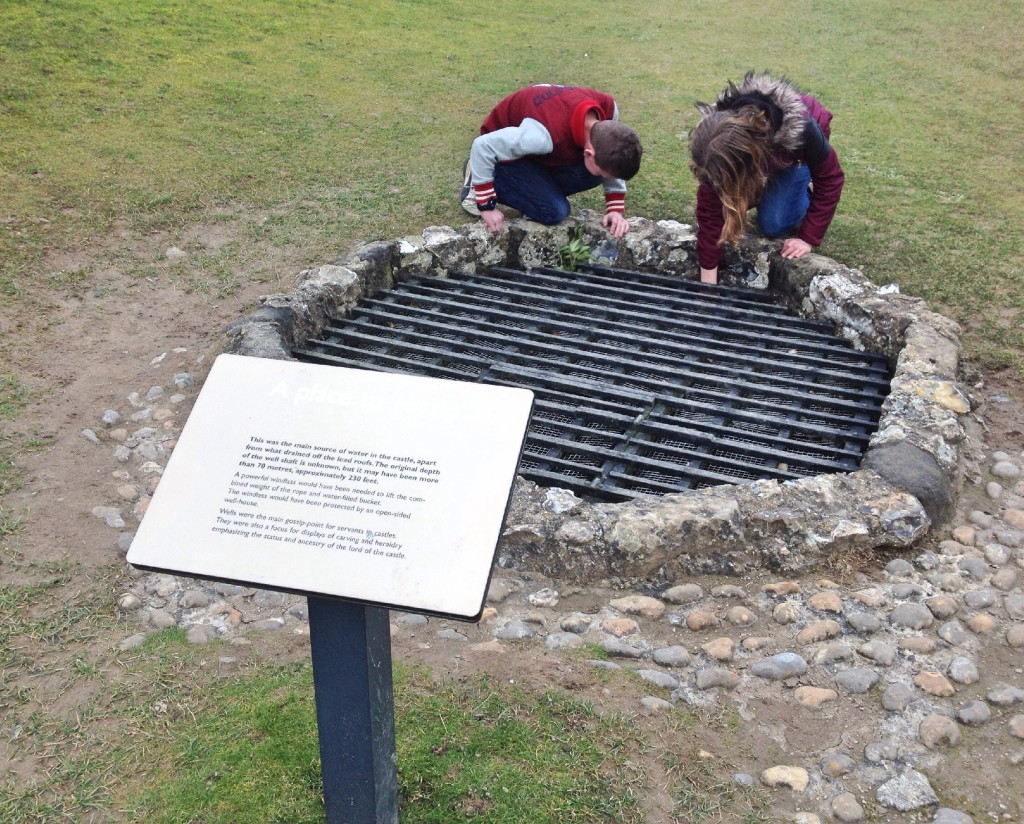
(378, 488)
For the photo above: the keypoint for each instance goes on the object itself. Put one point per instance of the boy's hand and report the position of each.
(615, 223)
(493, 220)
(793, 247)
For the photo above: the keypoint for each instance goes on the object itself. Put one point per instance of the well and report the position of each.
(906, 481)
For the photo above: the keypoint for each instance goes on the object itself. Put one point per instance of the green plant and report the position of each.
(576, 252)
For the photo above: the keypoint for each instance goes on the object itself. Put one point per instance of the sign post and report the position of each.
(361, 490)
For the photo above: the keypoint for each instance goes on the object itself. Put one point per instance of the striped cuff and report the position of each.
(484, 192)
(614, 202)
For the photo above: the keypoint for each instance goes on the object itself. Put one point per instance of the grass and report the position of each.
(311, 126)
(297, 129)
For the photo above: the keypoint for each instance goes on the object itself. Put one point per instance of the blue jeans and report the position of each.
(784, 201)
(541, 192)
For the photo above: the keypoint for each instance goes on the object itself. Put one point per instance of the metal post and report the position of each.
(351, 648)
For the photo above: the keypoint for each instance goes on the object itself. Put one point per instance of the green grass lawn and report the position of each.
(346, 121)
(315, 124)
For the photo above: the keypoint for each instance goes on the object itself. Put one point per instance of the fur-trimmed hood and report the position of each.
(790, 118)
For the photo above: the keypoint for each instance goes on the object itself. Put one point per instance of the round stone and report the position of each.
(942, 606)
(546, 597)
(620, 649)
(659, 678)
(200, 634)
(1014, 606)
(653, 704)
(834, 651)
(996, 554)
(919, 645)
(857, 680)
(642, 605)
(1005, 579)
(953, 633)
(1005, 695)
(980, 519)
(981, 624)
(711, 677)
(720, 649)
(683, 594)
(620, 627)
(871, 597)
(818, 631)
(826, 602)
(837, 765)
(728, 591)
(1015, 636)
(814, 697)
(1016, 726)
(912, 616)
(980, 598)
(563, 640)
(129, 602)
(674, 656)
(796, 778)
(897, 697)
(1015, 518)
(786, 613)
(514, 630)
(866, 622)
(976, 568)
(974, 713)
(195, 599)
(879, 652)
(782, 588)
(964, 535)
(577, 623)
(755, 643)
(946, 815)
(994, 490)
(938, 731)
(778, 667)
(963, 671)
(740, 616)
(161, 619)
(701, 619)
(934, 683)
(1006, 469)
(898, 567)
(846, 808)
(880, 751)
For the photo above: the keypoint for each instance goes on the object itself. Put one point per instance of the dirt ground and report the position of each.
(82, 352)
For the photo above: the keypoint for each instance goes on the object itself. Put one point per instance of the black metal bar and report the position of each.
(644, 384)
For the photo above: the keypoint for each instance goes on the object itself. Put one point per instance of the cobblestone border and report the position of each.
(907, 480)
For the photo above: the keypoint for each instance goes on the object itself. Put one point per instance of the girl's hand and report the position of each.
(793, 247)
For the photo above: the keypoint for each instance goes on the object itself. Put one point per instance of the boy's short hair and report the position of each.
(617, 148)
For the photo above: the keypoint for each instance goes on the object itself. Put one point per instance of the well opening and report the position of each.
(645, 384)
(628, 357)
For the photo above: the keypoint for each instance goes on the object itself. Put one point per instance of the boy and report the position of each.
(543, 143)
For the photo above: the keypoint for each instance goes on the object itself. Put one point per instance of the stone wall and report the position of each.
(907, 478)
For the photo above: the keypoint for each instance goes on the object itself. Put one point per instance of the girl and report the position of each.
(763, 143)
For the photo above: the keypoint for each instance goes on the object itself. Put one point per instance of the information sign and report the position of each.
(378, 488)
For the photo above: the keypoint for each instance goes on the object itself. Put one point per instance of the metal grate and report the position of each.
(644, 384)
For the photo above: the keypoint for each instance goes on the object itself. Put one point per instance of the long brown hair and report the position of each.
(729, 152)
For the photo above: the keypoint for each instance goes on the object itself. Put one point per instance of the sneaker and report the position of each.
(467, 197)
